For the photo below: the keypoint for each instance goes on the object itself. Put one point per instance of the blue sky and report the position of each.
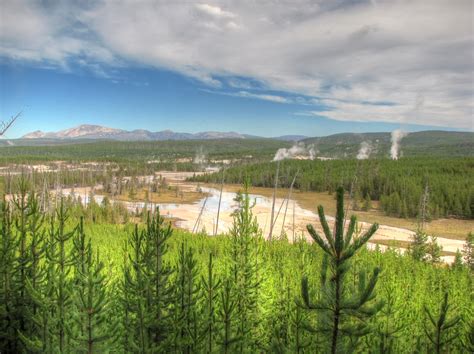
(313, 69)
(155, 100)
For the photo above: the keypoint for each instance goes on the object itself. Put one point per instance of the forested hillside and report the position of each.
(347, 145)
(425, 143)
(72, 285)
(140, 151)
(398, 185)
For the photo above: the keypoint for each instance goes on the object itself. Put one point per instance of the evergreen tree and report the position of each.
(458, 263)
(9, 244)
(146, 290)
(157, 234)
(342, 315)
(387, 328)
(136, 288)
(22, 262)
(299, 328)
(367, 206)
(36, 275)
(228, 337)
(434, 250)
(467, 342)
(47, 301)
(468, 251)
(210, 294)
(356, 200)
(419, 247)
(245, 234)
(124, 305)
(186, 326)
(280, 340)
(438, 327)
(91, 302)
(60, 262)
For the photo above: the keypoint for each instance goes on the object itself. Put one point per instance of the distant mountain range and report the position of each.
(344, 145)
(87, 131)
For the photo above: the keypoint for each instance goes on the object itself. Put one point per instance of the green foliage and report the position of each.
(398, 185)
(387, 329)
(468, 251)
(92, 330)
(458, 263)
(424, 143)
(434, 250)
(187, 322)
(210, 295)
(367, 203)
(146, 290)
(166, 151)
(60, 260)
(171, 291)
(244, 263)
(9, 246)
(343, 311)
(419, 246)
(439, 328)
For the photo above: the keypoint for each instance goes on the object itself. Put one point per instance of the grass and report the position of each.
(405, 245)
(170, 195)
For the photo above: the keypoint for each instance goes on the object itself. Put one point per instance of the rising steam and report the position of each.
(397, 136)
(200, 157)
(297, 151)
(365, 150)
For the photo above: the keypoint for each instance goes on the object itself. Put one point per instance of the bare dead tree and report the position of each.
(219, 205)
(198, 220)
(5, 125)
(424, 208)
(273, 203)
(294, 207)
(278, 213)
(288, 201)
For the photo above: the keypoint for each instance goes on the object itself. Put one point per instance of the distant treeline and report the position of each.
(398, 185)
(83, 176)
(165, 151)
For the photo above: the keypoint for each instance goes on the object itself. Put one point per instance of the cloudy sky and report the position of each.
(259, 67)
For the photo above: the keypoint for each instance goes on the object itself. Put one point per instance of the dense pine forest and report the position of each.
(432, 143)
(139, 151)
(399, 185)
(71, 284)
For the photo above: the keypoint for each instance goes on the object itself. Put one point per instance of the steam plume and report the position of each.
(397, 136)
(312, 152)
(200, 157)
(299, 150)
(364, 151)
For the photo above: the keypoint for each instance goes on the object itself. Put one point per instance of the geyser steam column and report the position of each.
(297, 151)
(397, 136)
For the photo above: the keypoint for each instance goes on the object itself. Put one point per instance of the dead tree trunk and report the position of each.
(287, 202)
(273, 203)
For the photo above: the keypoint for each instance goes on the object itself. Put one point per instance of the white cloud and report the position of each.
(417, 55)
(259, 96)
(273, 98)
(214, 11)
